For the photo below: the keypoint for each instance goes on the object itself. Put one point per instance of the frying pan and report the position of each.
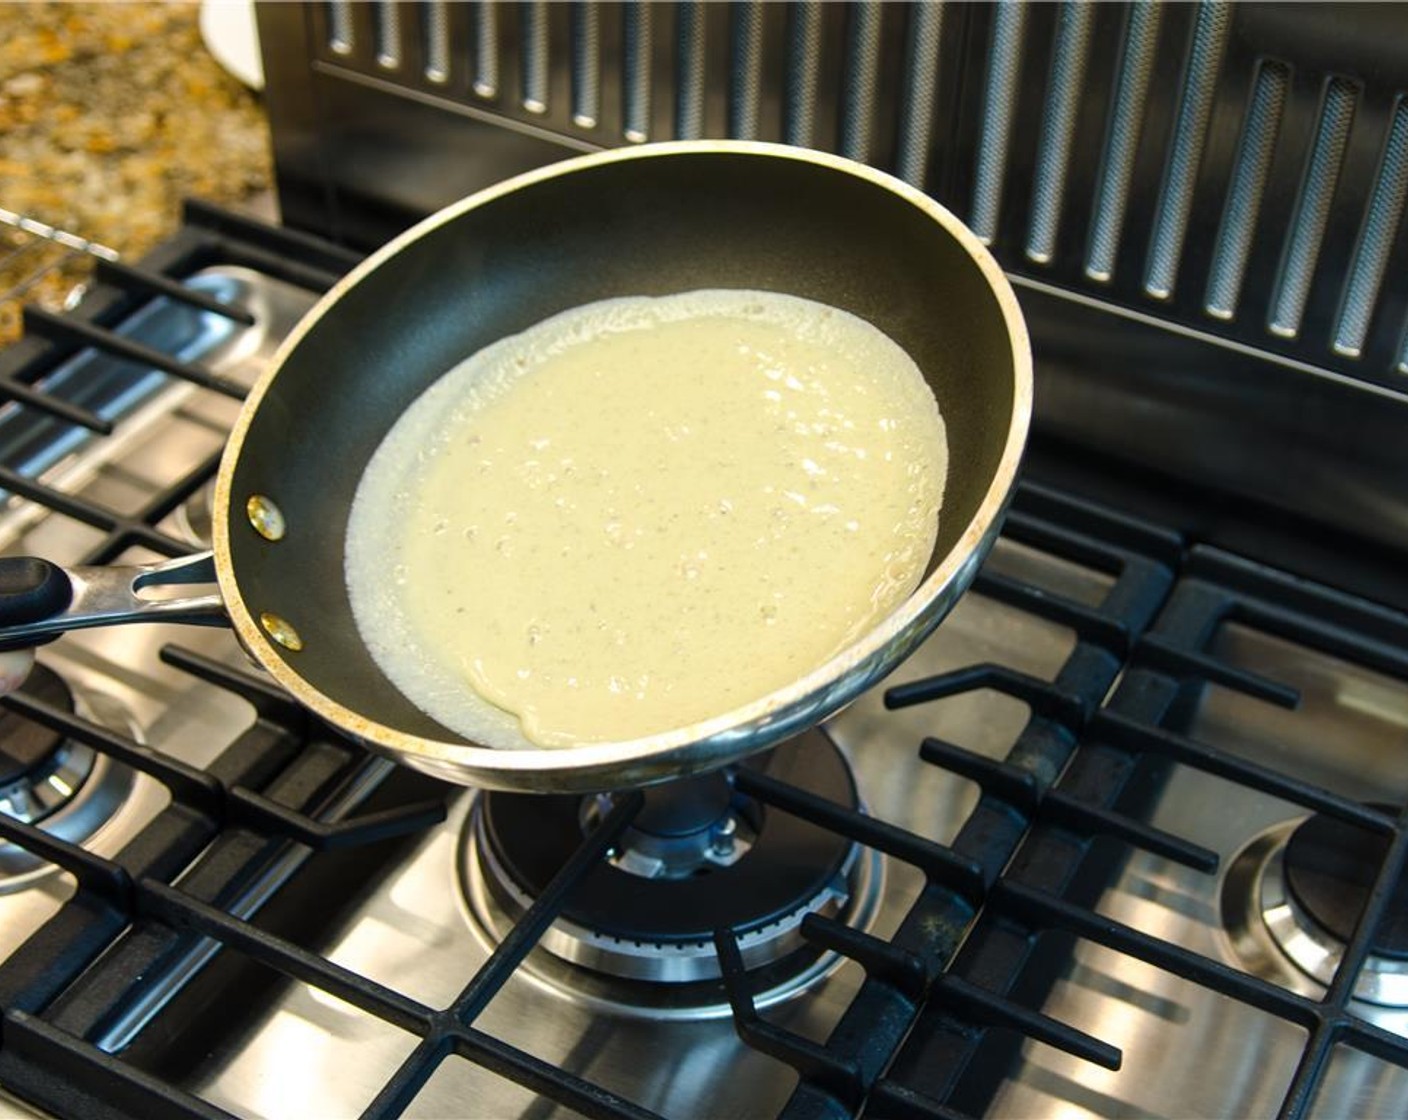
(651, 220)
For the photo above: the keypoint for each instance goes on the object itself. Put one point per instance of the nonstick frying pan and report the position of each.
(651, 220)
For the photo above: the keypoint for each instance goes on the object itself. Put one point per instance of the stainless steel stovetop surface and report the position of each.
(314, 1055)
(1187, 1050)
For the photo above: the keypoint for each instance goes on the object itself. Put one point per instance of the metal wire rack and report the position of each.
(35, 255)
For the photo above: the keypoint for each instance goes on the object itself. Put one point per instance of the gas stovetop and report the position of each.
(1124, 837)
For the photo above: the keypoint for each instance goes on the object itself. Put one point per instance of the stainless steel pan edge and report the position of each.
(702, 746)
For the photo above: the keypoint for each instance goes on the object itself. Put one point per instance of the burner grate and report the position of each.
(1121, 748)
(209, 235)
(121, 531)
(217, 832)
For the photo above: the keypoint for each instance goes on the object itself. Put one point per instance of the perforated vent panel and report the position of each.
(1238, 170)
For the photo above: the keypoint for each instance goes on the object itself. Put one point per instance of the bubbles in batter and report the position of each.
(642, 513)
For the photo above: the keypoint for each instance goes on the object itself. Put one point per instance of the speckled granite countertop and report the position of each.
(110, 115)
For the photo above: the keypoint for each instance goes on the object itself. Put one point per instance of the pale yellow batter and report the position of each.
(643, 513)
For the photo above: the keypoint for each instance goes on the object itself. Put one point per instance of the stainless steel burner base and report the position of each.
(657, 980)
(1276, 940)
(194, 519)
(100, 787)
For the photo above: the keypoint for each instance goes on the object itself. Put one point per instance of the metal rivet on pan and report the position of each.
(281, 630)
(266, 517)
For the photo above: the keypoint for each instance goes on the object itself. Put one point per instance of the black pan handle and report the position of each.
(40, 600)
(32, 589)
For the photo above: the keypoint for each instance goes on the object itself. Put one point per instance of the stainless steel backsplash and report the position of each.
(1228, 179)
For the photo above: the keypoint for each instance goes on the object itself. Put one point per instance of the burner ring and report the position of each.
(194, 519)
(57, 784)
(35, 795)
(1330, 867)
(40, 770)
(789, 863)
(1275, 938)
(658, 960)
(1316, 951)
(547, 968)
(671, 971)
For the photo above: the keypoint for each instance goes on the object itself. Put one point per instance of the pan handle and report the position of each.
(40, 600)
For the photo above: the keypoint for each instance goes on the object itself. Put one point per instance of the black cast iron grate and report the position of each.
(931, 1029)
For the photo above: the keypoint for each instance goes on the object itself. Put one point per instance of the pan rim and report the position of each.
(704, 744)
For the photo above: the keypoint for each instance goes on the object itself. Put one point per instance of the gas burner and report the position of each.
(685, 829)
(48, 780)
(40, 770)
(637, 933)
(194, 519)
(1312, 897)
(1293, 896)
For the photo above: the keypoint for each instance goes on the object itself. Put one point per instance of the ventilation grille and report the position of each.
(1229, 168)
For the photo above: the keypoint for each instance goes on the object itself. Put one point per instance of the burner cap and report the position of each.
(26, 746)
(686, 807)
(789, 863)
(1330, 868)
(195, 517)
